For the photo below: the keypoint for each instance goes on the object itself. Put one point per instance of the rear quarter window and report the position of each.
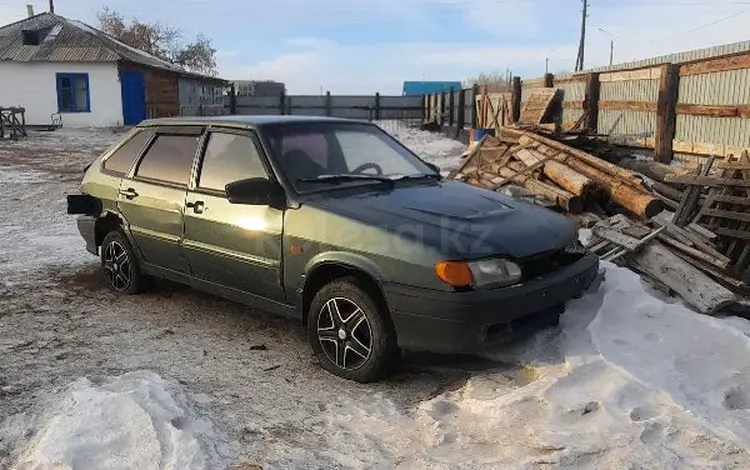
(122, 159)
(169, 159)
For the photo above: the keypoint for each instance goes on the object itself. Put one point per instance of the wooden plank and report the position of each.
(535, 108)
(743, 234)
(571, 79)
(700, 148)
(707, 181)
(516, 99)
(714, 65)
(666, 120)
(591, 103)
(737, 200)
(693, 253)
(642, 106)
(714, 110)
(741, 216)
(653, 73)
(525, 171)
(573, 104)
(734, 166)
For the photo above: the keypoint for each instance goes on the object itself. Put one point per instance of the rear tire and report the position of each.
(120, 264)
(350, 331)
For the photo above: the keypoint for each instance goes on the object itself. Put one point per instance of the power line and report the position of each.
(697, 28)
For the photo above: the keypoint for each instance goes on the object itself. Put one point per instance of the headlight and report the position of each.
(495, 273)
(483, 274)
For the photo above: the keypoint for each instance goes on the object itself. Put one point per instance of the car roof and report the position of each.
(249, 121)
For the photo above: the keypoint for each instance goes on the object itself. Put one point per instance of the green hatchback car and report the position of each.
(332, 222)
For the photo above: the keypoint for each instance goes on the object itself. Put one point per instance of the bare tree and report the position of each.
(496, 82)
(160, 40)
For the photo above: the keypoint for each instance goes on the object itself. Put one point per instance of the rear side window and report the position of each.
(228, 158)
(122, 159)
(169, 159)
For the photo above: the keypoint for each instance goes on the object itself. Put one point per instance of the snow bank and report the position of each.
(128, 422)
(627, 382)
(434, 148)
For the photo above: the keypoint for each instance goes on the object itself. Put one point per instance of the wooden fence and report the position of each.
(691, 109)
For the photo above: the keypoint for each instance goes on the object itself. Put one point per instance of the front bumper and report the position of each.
(465, 322)
(87, 228)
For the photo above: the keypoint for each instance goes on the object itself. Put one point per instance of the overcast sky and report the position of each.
(364, 46)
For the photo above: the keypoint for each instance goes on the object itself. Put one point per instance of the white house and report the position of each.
(51, 65)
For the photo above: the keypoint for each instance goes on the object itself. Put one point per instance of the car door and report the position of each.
(152, 197)
(234, 245)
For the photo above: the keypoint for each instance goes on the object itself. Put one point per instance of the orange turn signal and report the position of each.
(454, 273)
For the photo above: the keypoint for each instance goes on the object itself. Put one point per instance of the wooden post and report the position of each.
(666, 118)
(424, 107)
(232, 100)
(452, 104)
(461, 115)
(329, 108)
(591, 102)
(474, 94)
(377, 106)
(282, 102)
(549, 80)
(516, 99)
(289, 105)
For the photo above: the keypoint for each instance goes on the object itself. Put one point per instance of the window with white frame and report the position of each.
(73, 93)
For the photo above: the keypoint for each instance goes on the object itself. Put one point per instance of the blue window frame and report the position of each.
(73, 93)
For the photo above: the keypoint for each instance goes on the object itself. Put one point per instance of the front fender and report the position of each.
(347, 259)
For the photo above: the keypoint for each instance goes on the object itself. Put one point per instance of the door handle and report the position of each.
(129, 193)
(197, 206)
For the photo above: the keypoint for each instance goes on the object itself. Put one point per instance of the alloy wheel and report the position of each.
(344, 333)
(117, 266)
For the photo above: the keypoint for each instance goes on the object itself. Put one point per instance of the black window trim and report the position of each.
(136, 157)
(197, 131)
(203, 145)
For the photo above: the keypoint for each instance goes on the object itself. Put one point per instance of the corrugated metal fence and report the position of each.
(703, 97)
(343, 106)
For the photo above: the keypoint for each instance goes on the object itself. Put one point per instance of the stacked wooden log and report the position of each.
(570, 178)
(698, 248)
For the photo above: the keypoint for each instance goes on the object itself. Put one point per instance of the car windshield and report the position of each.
(314, 156)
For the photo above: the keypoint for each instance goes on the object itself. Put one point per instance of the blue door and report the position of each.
(133, 88)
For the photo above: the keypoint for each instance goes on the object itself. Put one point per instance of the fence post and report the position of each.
(452, 103)
(329, 108)
(461, 115)
(232, 100)
(516, 99)
(377, 106)
(282, 102)
(549, 80)
(666, 116)
(474, 94)
(591, 102)
(289, 105)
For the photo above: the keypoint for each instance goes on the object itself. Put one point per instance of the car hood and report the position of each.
(457, 219)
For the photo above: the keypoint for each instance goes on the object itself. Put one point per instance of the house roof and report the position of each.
(65, 40)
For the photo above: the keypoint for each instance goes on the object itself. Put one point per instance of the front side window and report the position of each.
(316, 151)
(169, 159)
(229, 158)
(73, 93)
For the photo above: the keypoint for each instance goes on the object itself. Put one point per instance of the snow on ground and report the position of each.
(179, 379)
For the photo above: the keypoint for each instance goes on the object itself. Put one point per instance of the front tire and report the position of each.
(120, 264)
(350, 332)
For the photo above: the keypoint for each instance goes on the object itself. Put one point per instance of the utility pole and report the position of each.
(611, 51)
(51, 6)
(582, 45)
(546, 65)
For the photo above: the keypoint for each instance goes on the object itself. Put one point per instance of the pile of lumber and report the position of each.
(713, 197)
(685, 229)
(565, 176)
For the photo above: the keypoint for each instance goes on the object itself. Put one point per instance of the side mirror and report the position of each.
(255, 191)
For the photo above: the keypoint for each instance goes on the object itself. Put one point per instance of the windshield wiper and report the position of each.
(342, 178)
(424, 176)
